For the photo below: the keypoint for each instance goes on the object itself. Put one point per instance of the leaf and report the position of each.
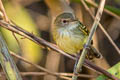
(113, 9)
(115, 70)
(22, 18)
(107, 7)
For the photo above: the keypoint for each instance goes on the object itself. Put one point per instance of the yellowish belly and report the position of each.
(71, 44)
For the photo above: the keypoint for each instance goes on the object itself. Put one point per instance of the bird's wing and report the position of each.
(84, 29)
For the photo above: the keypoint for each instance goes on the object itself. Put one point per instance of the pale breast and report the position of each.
(70, 42)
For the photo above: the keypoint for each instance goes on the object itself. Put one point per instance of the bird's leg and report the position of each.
(95, 52)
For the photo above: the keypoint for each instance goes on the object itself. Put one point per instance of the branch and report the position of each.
(85, 49)
(41, 41)
(102, 71)
(101, 27)
(3, 11)
(37, 66)
(59, 74)
(105, 10)
(95, 5)
(8, 65)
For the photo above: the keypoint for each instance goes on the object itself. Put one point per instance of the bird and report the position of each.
(70, 35)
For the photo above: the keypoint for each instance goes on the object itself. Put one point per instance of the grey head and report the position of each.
(65, 19)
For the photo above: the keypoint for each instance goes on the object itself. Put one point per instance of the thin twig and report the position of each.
(45, 70)
(105, 10)
(5, 17)
(101, 27)
(36, 74)
(84, 52)
(103, 71)
(59, 74)
(95, 5)
(3, 11)
(16, 38)
(36, 39)
(41, 41)
(35, 65)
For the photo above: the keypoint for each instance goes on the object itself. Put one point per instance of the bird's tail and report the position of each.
(93, 53)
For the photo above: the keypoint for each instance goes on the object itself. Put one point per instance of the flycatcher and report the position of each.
(70, 34)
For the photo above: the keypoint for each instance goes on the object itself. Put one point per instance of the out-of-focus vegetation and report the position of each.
(7, 63)
(35, 17)
(115, 70)
(22, 18)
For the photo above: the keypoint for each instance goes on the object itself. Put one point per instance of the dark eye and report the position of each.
(64, 21)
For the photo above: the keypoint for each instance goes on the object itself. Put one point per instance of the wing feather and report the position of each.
(84, 29)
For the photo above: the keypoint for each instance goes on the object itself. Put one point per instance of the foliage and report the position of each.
(115, 70)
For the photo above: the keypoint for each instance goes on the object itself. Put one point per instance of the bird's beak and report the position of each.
(74, 20)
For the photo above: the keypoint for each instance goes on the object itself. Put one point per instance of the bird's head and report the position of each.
(66, 20)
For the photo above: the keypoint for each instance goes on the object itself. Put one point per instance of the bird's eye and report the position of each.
(64, 21)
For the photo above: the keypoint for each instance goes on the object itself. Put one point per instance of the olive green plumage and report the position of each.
(69, 33)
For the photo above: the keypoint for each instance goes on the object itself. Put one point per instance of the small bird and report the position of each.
(71, 35)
